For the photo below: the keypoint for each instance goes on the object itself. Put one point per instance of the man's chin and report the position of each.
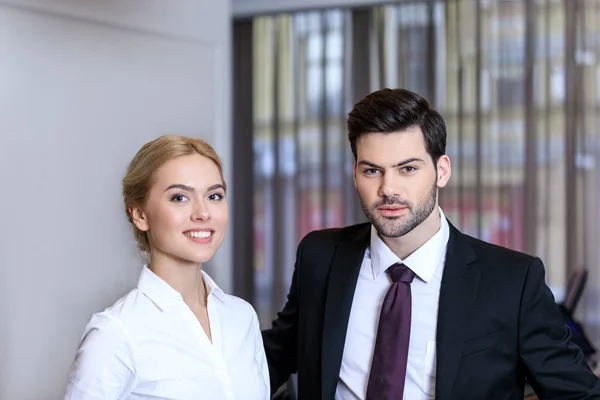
(387, 231)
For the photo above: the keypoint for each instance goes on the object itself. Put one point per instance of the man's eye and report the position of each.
(371, 171)
(408, 169)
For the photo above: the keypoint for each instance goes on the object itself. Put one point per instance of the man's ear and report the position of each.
(444, 170)
(354, 174)
(139, 218)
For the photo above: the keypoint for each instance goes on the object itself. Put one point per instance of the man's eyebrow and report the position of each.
(369, 164)
(400, 164)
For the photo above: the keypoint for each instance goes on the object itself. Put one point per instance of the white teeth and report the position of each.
(200, 234)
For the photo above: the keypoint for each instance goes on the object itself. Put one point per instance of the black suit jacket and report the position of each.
(497, 323)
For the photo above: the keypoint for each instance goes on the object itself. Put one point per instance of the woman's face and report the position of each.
(186, 213)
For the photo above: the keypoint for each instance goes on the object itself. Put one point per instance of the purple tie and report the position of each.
(388, 370)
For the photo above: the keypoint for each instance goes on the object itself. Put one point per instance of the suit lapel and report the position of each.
(457, 293)
(341, 285)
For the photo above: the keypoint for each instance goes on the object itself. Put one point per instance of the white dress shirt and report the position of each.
(427, 262)
(150, 345)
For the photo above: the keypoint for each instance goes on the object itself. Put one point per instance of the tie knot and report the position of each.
(401, 273)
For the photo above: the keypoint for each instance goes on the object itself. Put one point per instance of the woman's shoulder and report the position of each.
(125, 305)
(233, 304)
(120, 315)
(238, 310)
(238, 304)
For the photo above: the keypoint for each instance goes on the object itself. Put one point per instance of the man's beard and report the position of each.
(392, 226)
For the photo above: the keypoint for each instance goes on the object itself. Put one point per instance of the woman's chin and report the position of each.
(197, 258)
(184, 257)
(189, 258)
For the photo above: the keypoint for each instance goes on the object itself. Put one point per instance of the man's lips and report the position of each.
(391, 210)
(391, 207)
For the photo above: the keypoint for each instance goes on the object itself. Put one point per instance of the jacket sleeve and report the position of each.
(555, 366)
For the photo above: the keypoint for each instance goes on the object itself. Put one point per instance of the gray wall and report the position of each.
(83, 84)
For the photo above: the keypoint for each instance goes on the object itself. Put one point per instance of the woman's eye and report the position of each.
(178, 198)
(216, 197)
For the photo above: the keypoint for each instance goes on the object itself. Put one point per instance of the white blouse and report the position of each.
(150, 345)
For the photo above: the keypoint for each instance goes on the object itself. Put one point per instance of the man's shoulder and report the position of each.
(334, 235)
(490, 251)
(318, 248)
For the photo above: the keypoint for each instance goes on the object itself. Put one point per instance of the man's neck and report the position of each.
(404, 246)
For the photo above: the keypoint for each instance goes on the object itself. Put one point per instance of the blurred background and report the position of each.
(519, 87)
(269, 83)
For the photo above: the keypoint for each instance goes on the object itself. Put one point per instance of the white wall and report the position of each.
(83, 84)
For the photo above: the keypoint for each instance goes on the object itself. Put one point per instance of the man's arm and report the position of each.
(281, 339)
(556, 367)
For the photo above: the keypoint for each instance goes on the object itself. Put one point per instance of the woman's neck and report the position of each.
(183, 276)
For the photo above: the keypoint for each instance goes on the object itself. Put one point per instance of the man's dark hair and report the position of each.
(393, 110)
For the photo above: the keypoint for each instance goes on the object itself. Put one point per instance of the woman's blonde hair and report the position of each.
(140, 174)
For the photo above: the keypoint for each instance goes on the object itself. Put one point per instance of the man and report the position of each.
(406, 306)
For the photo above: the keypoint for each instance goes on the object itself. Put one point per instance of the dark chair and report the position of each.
(575, 287)
(288, 391)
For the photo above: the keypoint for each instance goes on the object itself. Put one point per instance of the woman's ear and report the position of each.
(139, 218)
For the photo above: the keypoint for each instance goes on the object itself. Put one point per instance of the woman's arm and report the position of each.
(260, 356)
(104, 366)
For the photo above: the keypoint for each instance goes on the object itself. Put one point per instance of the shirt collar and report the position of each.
(164, 296)
(213, 289)
(423, 261)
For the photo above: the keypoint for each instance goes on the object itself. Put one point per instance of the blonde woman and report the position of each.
(176, 336)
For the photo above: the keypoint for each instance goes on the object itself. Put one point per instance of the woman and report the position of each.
(177, 335)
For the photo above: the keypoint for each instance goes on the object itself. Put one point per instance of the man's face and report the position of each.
(397, 181)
